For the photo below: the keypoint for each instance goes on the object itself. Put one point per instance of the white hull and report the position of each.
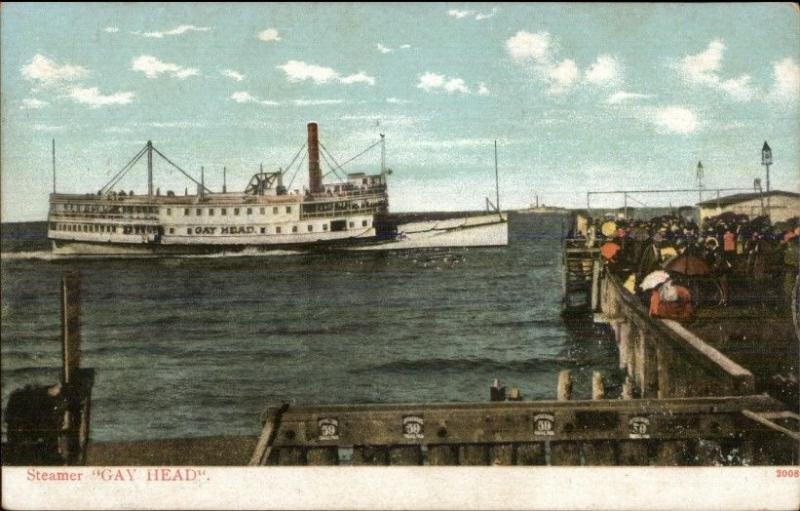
(477, 231)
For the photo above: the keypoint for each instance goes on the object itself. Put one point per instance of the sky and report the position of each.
(579, 98)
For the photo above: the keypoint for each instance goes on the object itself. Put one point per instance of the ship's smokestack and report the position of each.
(314, 172)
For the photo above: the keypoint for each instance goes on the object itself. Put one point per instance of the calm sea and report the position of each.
(199, 346)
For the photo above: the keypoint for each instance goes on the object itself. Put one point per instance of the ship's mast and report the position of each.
(383, 154)
(149, 170)
(54, 165)
(496, 179)
(224, 180)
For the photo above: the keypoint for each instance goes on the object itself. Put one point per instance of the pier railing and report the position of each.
(696, 431)
(662, 358)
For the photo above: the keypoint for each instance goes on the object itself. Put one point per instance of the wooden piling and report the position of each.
(323, 456)
(598, 386)
(370, 455)
(473, 454)
(564, 392)
(501, 454)
(291, 456)
(599, 453)
(626, 346)
(673, 453)
(531, 454)
(405, 455)
(565, 454)
(632, 452)
(443, 454)
(70, 325)
(627, 388)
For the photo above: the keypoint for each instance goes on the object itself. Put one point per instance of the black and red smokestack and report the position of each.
(314, 172)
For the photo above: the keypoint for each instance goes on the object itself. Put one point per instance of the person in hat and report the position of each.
(671, 301)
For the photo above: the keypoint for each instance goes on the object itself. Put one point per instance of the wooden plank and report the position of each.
(599, 453)
(673, 453)
(370, 455)
(272, 417)
(474, 454)
(632, 452)
(513, 422)
(531, 454)
(291, 456)
(443, 454)
(565, 454)
(322, 456)
(501, 454)
(405, 455)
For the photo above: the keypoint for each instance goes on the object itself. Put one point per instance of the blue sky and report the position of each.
(579, 97)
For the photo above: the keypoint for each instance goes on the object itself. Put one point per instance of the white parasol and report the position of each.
(654, 279)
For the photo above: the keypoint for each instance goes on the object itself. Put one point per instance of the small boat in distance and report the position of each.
(350, 214)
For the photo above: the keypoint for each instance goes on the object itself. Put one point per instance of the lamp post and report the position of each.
(700, 181)
(766, 160)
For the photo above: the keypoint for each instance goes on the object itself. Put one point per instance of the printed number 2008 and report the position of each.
(782, 472)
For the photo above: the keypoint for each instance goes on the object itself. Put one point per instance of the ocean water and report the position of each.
(200, 346)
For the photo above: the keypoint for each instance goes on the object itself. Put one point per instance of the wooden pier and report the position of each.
(682, 431)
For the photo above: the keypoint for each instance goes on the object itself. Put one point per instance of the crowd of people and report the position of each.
(725, 259)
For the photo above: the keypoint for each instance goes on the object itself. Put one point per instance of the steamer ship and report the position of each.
(350, 214)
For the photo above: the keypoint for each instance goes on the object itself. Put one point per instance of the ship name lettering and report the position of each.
(238, 230)
(204, 230)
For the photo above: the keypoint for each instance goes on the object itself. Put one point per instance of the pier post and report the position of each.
(564, 392)
(595, 285)
(598, 386)
(70, 325)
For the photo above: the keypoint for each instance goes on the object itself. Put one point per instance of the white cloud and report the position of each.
(269, 35)
(33, 104)
(702, 69)
(479, 16)
(92, 97)
(622, 96)
(234, 75)
(385, 49)
(298, 71)
(524, 45)
(456, 13)
(483, 90)
(787, 80)
(48, 127)
(246, 97)
(179, 30)
(48, 72)
(117, 129)
(431, 82)
(111, 30)
(153, 67)
(562, 76)
(539, 52)
(360, 77)
(397, 101)
(175, 124)
(675, 119)
(606, 71)
(317, 102)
